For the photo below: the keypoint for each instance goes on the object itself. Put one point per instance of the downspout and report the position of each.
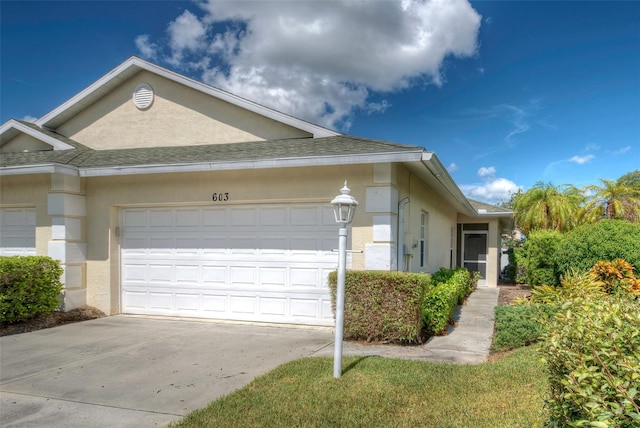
(400, 252)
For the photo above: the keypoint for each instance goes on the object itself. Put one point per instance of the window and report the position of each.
(424, 234)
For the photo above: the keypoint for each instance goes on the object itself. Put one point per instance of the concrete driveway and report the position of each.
(125, 371)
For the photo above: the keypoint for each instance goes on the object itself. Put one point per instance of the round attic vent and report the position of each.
(143, 96)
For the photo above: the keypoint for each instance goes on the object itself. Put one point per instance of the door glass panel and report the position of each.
(477, 267)
(475, 246)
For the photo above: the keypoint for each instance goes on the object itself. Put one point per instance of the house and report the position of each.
(161, 195)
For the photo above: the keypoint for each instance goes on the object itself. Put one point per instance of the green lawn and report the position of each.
(379, 392)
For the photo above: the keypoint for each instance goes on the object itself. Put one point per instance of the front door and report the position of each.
(474, 250)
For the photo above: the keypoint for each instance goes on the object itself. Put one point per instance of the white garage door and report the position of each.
(17, 231)
(251, 262)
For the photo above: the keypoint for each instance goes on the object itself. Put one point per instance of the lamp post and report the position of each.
(344, 206)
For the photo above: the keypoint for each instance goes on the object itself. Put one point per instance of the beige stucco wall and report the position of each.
(22, 143)
(179, 116)
(442, 218)
(107, 195)
(30, 191)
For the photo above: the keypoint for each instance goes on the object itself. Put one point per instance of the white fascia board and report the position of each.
(497, 214)
(431, 161)
(50, 168)
(84, 93)
(316, 130)
(258, 164)
(14, 124)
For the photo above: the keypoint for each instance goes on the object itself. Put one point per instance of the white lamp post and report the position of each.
(344, 206)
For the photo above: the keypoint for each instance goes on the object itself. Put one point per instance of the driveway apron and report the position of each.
(127, 371)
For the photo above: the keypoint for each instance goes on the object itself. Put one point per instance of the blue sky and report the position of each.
(507, 93)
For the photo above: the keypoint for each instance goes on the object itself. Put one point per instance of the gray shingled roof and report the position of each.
(83, 157)
(491, 209)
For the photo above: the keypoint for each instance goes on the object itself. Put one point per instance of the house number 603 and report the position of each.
(220, 197)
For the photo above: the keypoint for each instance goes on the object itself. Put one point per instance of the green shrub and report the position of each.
(442, 300)
(573, 285)
(606, 240)
(539, 254)
(592, 349)
(382, 306)
(28, 286)
(520, 325)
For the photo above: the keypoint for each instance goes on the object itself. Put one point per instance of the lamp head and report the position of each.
(344, 206)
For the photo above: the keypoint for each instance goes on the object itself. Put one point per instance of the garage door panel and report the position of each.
(187, 302)
(257, 263)
(273, 277)
(135, 219)
(214, 217)
(273, 306)
(161, 301)
(160, 273)
(242, 275)
(242, 304)
(243, 217)
(161, 218)
(275, 216)
(187, 274)
(214, 275)
(305, 308)
(304, 277)
(17, 231)
(187, 217)
(136, 299)
(134, 273)
(214, 305)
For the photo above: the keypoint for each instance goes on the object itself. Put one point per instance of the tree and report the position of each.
(546, 206)
(630, 179)
(611, 200)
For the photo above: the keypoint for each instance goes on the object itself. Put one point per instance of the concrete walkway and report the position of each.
(137, 372)
(466, 343)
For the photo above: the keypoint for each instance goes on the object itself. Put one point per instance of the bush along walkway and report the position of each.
(466, 342)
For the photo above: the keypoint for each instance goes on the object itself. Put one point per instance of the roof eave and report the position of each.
(17, 127)
(348, 159)
(134, 65)
(47, 168)
(449, 189)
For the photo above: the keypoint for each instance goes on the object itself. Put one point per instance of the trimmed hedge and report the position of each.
(382, 306)
(592, 349)
(442, 300)
(29, 285)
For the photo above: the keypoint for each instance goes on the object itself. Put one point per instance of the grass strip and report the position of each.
(380, 392)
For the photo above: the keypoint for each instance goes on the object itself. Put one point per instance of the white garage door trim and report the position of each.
(17, 231)
(262, 262)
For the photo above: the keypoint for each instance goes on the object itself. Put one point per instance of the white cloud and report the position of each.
(516, 120)
(487, 171)
(29, 118)
(622, 150)
(494, 189)
(146, 48)
(452, 167)
(580, 160)
(320, 60)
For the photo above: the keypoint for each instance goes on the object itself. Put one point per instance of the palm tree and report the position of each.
(546, 206)
(612, 200)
